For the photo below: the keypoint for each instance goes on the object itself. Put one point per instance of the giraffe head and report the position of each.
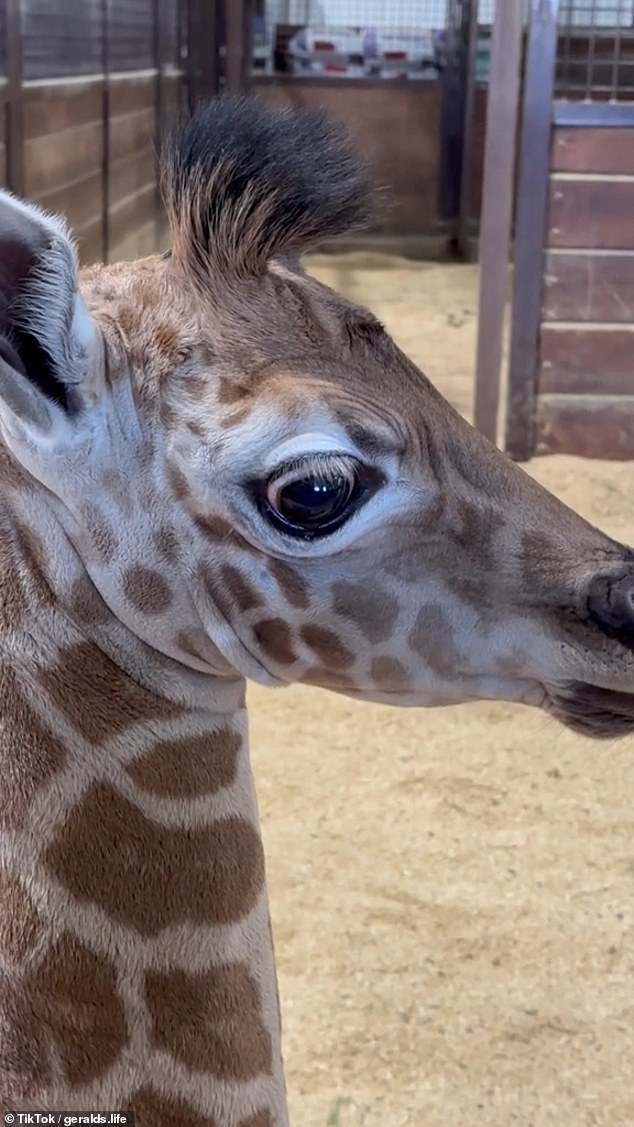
(256, 478)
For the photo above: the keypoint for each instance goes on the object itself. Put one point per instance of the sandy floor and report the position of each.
(452, 891)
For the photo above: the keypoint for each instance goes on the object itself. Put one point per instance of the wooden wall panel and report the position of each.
(588, 287)
(63, 156)
(131, 24)
(172, 94)
(132, 213)
(49, 109)
(587, 361)
(593, 426)
(102, 177)
(61, 39)
(81, 202)
(593, 150)
(131, 132)
(3, 136)
(129, 93)
(591, 212)
(397, 126)
(132, 174)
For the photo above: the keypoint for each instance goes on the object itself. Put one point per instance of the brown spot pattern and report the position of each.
(11, 473)
(166, 543)
(150, 877)
(476, 532)
(235, 419)
(14, 599)
(389, 674)
(260, 1119)
(146, 590)
(34, 556)
(432, 639)
(242, 593)
(29, 754)
(65, 1013)
(97, 697)
(102, 538)
(372, 609)
(230, 391)
(188, 768)
(327, 645)
(73, 993)
(20, 925)
(274, 638)
(178, 482)
(292, 585)
(24, 1064)
(210, 1022)
(86, 603)
(151, 1109)
(328, 679)
(219, 531)
(195, 643)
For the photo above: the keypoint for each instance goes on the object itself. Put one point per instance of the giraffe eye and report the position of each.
(314, 497)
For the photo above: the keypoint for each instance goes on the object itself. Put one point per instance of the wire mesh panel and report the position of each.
(355, 38)
(61, 39)
(131, 26)
(595, 57)
(358, 13)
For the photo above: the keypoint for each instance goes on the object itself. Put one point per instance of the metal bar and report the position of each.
(617, 52)
(530, 227)
(239, 40)
(596, 115)
(105, 118)
(591, 53)
(468, 150)
(497, 209)
(15, 134)
(453, 85)
(160, 39)
(203, 72)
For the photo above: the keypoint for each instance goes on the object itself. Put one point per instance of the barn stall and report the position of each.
(570, 376)
(86, 86)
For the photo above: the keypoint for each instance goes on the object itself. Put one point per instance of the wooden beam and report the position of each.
(471, 15)
(497, 210)
(533, 190)
(239, 44)
(202, 35)
(15, 133)
(105, 125)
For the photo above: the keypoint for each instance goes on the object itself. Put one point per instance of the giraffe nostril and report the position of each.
(611, 604)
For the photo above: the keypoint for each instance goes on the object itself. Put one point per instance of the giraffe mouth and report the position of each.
(592, 710)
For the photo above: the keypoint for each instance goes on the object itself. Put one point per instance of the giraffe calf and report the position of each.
(212, 468)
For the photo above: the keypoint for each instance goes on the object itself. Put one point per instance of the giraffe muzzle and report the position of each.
(611, 606)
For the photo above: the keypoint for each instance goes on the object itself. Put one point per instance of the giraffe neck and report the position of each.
(135, 946)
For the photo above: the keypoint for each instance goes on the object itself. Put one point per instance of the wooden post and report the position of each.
(203, 71)
(239, 44)
(15, 135)
(497, 209)
(530, 226)
(466, 186)
(452, 114)
(105, 118)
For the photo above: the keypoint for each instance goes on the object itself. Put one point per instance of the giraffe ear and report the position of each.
(46, 332)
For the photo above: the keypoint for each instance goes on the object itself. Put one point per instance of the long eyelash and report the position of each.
(335, 461)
